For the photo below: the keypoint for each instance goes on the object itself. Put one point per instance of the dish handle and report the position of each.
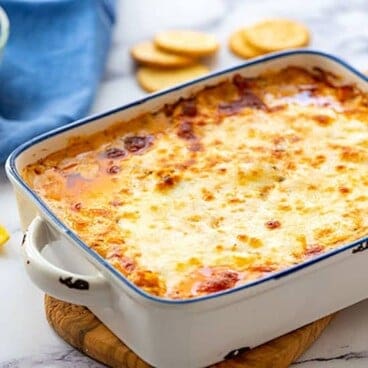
(89, 290)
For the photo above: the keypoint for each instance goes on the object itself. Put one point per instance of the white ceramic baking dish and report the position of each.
(194, 332)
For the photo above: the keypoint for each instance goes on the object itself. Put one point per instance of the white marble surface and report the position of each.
(339, 27)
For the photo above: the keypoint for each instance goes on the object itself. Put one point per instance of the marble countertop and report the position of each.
(338, 26)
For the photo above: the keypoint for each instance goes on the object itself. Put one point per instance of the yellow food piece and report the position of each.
(277, 34)
(154, 79)
(241, 47)
(4, 235)
(148, 54)
(187, 42)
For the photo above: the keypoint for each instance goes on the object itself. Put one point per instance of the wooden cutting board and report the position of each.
(81, 329)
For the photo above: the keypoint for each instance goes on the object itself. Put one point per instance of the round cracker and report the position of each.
(277, 34)
(240, 47)
(148, 54)
(187, 42)
(154, 79)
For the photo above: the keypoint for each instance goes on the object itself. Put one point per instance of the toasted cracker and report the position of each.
(148, 54)
(188, 43)
(240, 47)
(155, 79)
(277, 34)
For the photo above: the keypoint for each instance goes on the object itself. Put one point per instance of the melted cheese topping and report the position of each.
(243, 179)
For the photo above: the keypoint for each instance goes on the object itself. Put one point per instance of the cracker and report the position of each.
(148, 54)
(241, 47)
(189, 43)
(277, 34)
(155, 79)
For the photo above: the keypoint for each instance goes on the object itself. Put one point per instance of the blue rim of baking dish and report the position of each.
(12, 170)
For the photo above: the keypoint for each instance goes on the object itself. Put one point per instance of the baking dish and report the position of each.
(193, 332)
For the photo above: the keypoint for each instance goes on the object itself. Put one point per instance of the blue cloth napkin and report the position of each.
(52, 64)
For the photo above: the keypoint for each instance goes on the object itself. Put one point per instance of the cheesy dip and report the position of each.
(243, 179)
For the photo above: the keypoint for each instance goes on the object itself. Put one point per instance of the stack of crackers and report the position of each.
(174, 56)
(268, 36)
